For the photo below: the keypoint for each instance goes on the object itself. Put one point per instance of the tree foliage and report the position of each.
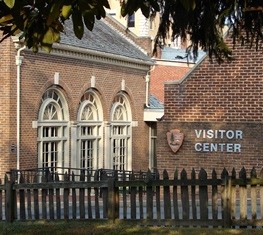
(205, 22)
(41, 22)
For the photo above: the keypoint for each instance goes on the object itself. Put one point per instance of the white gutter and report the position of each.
(19, 59)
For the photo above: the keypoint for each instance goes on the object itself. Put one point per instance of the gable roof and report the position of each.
(103, 38)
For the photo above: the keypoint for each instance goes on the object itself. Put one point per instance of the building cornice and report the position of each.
(69, 51)
(99, 57)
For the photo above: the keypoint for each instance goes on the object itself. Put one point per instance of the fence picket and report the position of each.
(82, 197)
(124, 197)
(214, 196)
(133, 198)
(104, 196)
(58, 201)
(96, 190)
(193, 195)
(233, 196)
(22, 199)
(88, 197)
(158, 197)
(203, 194)
(166, 196)
(50, 198)
(185, 195)
(253, 175)
(29, 201)
(66, 197)
(44, 199)
(224, 178)
(149, 193)
(9, 200)
(175, 196)
(141, 196)
(74, 198)
(117, 196)
(36, 199)
(112, 213)
(243, 195)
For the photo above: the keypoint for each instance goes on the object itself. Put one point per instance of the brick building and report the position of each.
(172, 65)
(80, 106)
(213, 116)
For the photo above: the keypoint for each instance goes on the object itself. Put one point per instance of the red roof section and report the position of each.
(162, 74)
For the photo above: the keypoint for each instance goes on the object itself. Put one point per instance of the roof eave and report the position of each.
(98, 56)
(152, 115)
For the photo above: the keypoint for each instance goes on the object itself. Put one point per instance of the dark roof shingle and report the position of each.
(103, 38)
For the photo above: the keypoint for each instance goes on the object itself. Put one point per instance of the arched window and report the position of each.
(89, 140)
(53, 131)
(121, 133)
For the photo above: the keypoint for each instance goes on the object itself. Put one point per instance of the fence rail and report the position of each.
(152, 199)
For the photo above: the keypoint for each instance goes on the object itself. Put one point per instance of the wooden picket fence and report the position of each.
(149, 199)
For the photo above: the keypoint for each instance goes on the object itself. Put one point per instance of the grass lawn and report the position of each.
(110, 228)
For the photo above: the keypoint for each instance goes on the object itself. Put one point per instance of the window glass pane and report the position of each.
(131, 20)
(87, 154)
(120, 135)
(118, 114)
(119, 148)
(86, 130)
(52, 131)
(87, 113)
(89, 130)
(50, 156)
(50, 112)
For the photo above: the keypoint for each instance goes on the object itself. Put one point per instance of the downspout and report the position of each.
(19, 60)
(147, 80)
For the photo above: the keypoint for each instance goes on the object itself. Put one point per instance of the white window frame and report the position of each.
(94, 154)
(53, 100)
(121, 141)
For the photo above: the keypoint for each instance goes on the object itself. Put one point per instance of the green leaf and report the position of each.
(189, 5)
(51, 36)
(47, 47)
(10, 3)
(155, 5)
(105, 3)
(130, 7)
(66, 11)
(54, 11)
(6, 19)
(78, 26)
(145, 9)
(89, 20)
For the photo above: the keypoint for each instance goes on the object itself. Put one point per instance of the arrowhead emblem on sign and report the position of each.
(175, 139)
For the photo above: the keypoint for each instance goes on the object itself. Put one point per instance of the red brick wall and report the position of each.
(228, 96)
(37, 74)
(7, 106)
(38, 71)
(162, 74)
